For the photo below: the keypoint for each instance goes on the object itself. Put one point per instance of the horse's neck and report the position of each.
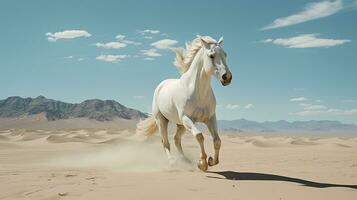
(196, 79)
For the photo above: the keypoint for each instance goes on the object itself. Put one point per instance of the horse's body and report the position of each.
(190, 99)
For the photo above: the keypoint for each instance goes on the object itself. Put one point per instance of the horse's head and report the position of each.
(215, 61)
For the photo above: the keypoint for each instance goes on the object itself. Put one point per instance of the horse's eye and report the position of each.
(211, 56)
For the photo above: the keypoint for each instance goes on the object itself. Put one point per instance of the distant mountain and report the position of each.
(100, 110)
(243, 125)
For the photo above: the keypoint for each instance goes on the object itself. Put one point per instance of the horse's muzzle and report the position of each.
(226, 79)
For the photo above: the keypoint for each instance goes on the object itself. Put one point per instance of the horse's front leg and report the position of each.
(189, 125)
(212, 126)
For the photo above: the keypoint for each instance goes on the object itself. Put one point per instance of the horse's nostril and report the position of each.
(224, 77)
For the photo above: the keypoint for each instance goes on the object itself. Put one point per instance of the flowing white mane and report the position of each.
(184, 57)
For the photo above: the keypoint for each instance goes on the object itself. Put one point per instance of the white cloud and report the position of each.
(111, 58)
(267, 40)
(148, 37)
(67, 34)
(232, 106)
(312, 11)
(164, 44)
(249, 106)
(350, 112)
(72, 57)
(138, 97)
(315, 107)
(311, 109)
(143, 32)
(111, 45)
(151, 52)
(298, 99)
(131, 42)
(120, 37)
(309, 112)
(306, 41)
(327, 111)
(149, 58)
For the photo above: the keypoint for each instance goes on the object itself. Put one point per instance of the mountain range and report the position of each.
(100, 110)
(109, 110)
(243, 125)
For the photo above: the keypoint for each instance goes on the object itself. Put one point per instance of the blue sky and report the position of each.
(291, 60)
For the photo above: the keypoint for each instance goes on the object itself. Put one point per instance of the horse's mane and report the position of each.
(184, 57)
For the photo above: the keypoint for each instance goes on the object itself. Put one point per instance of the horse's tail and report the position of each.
(147, 126)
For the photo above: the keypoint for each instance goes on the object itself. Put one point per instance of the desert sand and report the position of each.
(113, 164)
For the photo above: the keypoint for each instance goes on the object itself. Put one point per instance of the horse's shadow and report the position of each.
(253, 176)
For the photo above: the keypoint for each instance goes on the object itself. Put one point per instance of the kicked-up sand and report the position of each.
(109, 164)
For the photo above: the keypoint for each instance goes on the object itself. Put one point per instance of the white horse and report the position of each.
(190, 99)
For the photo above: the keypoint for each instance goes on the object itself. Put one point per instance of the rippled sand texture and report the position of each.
(102, 164)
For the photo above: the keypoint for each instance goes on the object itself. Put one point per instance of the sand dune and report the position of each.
(114, 164)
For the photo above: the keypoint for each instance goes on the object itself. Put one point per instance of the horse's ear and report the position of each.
(204, 43)
(220, 41)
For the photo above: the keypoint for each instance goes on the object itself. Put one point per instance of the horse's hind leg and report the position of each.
(162, 124)
(180, 130)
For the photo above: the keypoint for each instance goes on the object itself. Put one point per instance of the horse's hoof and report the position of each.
(211, 162)
(202, 165)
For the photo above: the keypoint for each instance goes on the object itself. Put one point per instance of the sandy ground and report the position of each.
(100, 164)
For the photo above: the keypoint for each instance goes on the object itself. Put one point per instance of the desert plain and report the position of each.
(116, 164)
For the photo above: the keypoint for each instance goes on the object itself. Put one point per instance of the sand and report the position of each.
(103, 164)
